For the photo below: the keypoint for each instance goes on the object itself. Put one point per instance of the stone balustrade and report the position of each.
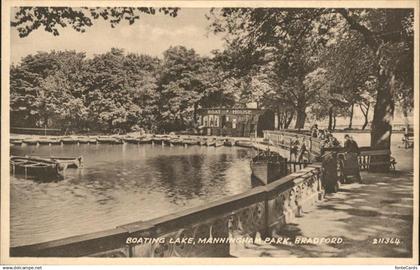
(201, 231)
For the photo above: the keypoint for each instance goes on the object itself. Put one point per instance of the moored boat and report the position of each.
(190, 141)
(132, 140)
(16, 141)
(229, 142)
(30, 141)
(92, 140)
(44, 140)
(55, 140)
(160, 139)
(218, 143)
(244, 143)
(211, 142)
(145, 140)
(68, 140)
(37, 169)
(268, 166)
(176, 141)
(203, 141)
(83, 139)
(64, 162)
(109, 140)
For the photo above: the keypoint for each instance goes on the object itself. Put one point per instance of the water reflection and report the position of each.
(120, 184)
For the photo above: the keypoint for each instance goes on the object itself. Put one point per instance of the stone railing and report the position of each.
(285, 138)
(200, 231)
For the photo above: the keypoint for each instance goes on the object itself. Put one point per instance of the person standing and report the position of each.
(350, 163)
(314, 131)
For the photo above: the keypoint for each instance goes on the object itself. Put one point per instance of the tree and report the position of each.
(387, 33)
(28, 88)
(121, 90)
(277, 38)
(28, 19)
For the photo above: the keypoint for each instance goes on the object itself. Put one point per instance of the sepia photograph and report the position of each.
(238, 131)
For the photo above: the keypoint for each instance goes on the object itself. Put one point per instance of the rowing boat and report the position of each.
(30, 141)
(243, 143)
(218, 143)
(16, 141)
(34, 168)
(68, 140)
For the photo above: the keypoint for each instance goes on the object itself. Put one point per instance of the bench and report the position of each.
(408, 140)
(365, 159)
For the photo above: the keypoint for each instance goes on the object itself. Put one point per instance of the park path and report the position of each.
(380, 207)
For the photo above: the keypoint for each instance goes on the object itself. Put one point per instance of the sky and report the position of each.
(152, 35)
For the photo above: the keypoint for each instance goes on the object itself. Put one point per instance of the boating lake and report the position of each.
(119, 184)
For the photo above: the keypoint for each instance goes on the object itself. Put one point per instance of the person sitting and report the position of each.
(331, 141)
(350, 145)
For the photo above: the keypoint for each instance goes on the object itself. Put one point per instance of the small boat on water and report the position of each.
(211, 142)
(268, 166)
(37, 169)
(218, 143)
(109, 140)
(83, 139)
(30, 141)
(44, 140)
(244, 143)
(190, 141)
(230, 142)
(55, 140)
(176, 141)
(145, 140)
(16, 141)
(65, 162)
(160, 139)
(132, 140)
(203, 141)
(68, 140)
(92, 140)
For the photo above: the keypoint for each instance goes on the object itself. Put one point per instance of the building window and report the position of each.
(234, 123)
(216, 121)
(205, 120)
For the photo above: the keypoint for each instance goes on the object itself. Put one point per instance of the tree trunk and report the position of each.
(351, 116)
(334, 121)
(330, 118)
(365, 114)
(407, 123)
(382, 118)
(289, 120)
(300, 114)
(195, 114)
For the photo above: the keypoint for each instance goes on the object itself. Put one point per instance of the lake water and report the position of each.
(126, 183)
(120, 184)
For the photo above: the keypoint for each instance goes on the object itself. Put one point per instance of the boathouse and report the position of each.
(235, 122)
